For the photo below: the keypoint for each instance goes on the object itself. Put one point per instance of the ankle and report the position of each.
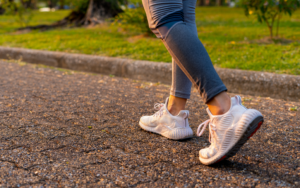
(219, 110)
(174, 110)
(175, 105)
(220, 104)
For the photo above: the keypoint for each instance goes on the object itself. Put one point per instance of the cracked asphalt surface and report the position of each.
(60, 128)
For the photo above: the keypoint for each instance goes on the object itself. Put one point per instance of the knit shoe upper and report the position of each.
(227, 130)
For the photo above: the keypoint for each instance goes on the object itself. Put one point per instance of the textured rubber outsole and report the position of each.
(174, 134)
(249, 131)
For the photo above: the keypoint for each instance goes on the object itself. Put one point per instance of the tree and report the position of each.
(99, 10)
(29, 3)
(200, 3)
(61, 4)
(51, 3)
(22, 10)
(134, 19)
(270, 11)
(3, 5)
(2, 10)
(218, 2)
(85, 12)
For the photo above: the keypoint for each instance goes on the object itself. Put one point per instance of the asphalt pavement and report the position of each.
(60, 128)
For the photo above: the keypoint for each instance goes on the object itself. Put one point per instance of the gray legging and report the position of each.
(173, 21)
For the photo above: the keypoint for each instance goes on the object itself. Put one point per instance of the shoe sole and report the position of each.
(174, 134)
(251, 129)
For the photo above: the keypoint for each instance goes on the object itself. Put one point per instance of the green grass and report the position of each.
(231, 39)
(9, 24)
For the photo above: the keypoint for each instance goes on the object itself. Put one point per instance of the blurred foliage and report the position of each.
(22, 10)
(9, 25)
(135, 19)
(79, 5)
(270, 11)
(82, 5)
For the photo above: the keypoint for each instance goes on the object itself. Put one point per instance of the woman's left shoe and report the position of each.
(164, 123)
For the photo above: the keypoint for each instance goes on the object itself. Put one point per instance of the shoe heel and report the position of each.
(257, 127)
(179, 134)
(250, 131)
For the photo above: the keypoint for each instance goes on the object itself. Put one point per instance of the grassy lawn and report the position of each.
(232, 40)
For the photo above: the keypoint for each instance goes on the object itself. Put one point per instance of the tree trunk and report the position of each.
(52, 3)
(200, 2)
(271, 31)
(89, 11)
(61, 4)
(218, 2)
(277, 26)
(206, 2)
(2, 10)
(99, 10)
(29, 4)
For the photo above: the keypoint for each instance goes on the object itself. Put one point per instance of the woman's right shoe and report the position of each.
(229, 132)
(167, 125)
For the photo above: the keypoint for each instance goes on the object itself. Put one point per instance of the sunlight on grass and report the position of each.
(232, 40)
(9, 24)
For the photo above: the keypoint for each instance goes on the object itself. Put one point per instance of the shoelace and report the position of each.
(158, 106)
(203, 126)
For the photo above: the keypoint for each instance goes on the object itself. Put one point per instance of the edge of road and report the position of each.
(255, 83)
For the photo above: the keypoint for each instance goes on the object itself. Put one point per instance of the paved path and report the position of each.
(60, 128)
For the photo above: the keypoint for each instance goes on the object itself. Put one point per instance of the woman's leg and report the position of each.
(166, 19)
(181, 85)
(171, 123)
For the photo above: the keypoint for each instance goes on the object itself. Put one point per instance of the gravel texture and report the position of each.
(73, 129)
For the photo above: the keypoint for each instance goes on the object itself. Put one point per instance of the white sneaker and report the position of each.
(165, 124)
(228, 132)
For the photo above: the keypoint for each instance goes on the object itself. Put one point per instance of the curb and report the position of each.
(237, 81)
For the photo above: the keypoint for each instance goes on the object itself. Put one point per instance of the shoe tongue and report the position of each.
(184, 114)
(236, 100)
(233, 101)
